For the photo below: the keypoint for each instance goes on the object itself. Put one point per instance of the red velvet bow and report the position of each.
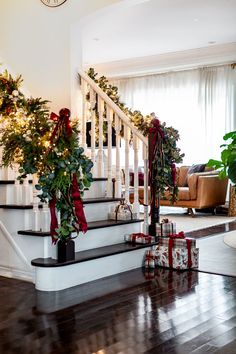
(62, 119)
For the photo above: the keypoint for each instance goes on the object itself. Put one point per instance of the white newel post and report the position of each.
(100, 161)
(146, 201)
(136, 183)
(93, 123)
(127, 147)
(1, 168)
(84, 114)
(36, 212)
(118, 171)
(109, 151)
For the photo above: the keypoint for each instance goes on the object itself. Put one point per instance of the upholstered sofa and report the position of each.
(201, 190)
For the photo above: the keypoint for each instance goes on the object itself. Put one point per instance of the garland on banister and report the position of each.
(166, 153)
(46, 145)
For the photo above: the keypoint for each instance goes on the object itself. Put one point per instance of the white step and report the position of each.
(53, 276)
(10, 193)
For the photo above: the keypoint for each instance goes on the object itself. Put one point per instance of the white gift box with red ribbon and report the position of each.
(185, 256)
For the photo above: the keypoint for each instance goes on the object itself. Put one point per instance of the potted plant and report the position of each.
(47, 146)
(227, 166)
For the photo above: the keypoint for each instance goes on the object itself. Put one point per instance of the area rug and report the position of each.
(230, 239)
(215, 256)
(188, 223)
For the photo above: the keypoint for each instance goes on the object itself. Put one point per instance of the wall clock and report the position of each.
(53, 3)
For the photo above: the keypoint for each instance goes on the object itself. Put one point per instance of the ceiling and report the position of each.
(158, 27)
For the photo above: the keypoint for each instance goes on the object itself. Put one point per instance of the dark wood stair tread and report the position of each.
(89, 255)
(92, 225)
(12, 181)
(85, 201)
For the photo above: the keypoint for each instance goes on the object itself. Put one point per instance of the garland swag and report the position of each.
(46, 145)
(165, 155)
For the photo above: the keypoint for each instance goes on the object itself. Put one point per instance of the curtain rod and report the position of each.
(231, 64)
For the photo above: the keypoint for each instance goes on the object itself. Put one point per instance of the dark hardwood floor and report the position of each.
(160, 311)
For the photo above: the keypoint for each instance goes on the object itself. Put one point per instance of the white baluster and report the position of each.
(100, 162)
(17, 188)
(84, 89)
(136, 205)
(118, 171)
(93, 123)
(45, 218)
(146, 200)
(26, 191)
(1, 167)
(36, 213)
(109, 151)
(127, 148)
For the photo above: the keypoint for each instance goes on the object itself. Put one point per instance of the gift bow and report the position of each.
(179, 235)
(165, 221)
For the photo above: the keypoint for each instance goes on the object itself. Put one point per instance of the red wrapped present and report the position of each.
(150, 259)
(139, 238)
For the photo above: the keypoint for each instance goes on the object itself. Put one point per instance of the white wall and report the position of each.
(35, 42)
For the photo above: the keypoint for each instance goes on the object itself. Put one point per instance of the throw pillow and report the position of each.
(194, 169)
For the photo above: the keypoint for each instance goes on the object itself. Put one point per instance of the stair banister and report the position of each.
(114, 107)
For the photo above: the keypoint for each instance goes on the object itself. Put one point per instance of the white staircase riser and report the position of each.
(97, 190)
(16, 194)
(23, 219)
(59, 278)
(23, 194)
(42, 247)
(17, 219)
(7, 174)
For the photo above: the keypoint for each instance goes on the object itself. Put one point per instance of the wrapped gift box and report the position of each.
(139, 238)
(165, 228)
(119, 216)
(150, 258)
(177, 257)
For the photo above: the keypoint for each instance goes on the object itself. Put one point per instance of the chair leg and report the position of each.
(191, 212)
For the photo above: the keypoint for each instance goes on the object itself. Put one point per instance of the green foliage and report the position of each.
(227, 164)
(25, 135)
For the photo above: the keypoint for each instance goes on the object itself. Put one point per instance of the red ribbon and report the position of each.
(156, 132)
(137, 235)
(54, 223)
(79, 210)
(64, 120)
(180, 235)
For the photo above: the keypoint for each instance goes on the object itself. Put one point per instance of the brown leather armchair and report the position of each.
(201, 190)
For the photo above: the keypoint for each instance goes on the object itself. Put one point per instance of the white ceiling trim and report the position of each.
(215, 54)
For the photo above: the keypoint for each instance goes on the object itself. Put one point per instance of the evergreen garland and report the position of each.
(25, 135)
(168, 153)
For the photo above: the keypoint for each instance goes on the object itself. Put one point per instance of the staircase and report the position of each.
(26, 251)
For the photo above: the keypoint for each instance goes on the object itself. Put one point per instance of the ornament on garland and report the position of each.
(46, 145)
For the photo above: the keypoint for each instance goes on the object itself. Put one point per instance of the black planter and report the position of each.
(65, 251)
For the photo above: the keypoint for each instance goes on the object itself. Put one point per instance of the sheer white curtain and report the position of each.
(199, 103)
